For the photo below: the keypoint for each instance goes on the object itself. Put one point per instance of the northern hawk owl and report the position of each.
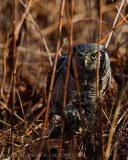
(85, 56)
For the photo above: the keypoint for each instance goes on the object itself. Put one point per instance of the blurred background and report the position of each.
(36, 46)
(42, 24)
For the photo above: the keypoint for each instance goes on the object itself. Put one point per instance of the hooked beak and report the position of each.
(85, 62)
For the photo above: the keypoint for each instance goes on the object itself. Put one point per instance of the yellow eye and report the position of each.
(93, 57)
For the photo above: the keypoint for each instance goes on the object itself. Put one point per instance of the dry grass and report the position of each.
(30, 46)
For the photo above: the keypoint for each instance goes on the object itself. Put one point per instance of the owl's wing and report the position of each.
(60, 65)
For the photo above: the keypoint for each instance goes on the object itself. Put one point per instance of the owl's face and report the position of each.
(86, 56)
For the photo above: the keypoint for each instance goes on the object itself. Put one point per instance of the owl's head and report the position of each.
(86, 61)
(86, 55)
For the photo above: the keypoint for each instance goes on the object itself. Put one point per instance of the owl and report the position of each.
(85, 56)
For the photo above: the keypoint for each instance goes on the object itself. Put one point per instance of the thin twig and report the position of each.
(117, 105)
(98, 56)
(67, 75)
(121, 14)
(114, 23)
(21, 105)
(118, 24)
(19, 25)
(52, 77)
(4, 67)
(28, 112)
(12, 94)
(5, 123)
(99, 102)
(37, 117)
(7, 109)
(77, 86)
(38, 29)
(115, 149)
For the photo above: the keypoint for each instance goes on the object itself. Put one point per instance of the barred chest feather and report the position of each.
(87, 79)
(85, 56)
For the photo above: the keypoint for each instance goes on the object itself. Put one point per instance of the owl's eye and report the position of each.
(80, 56)
(93, 56)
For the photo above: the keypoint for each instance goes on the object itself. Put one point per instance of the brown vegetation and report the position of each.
(29, 44)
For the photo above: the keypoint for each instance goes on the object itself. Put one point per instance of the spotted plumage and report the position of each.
(85, 56)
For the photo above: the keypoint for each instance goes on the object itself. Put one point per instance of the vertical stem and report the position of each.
(97, 80)
(68, 70)
(114, 23)
(52, 77)
(117, 105)
(101, 130)
(12, 94)
(77, 85)
(98, 57)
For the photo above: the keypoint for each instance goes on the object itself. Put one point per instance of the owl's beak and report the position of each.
(85, 62)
